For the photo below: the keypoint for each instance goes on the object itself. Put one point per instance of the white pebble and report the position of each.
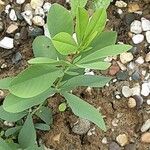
(145, 89)
(148, 101)
(38, 20)
(7, 8)
(7, 43)
(148, 36)
(47, 6)
(27, 15)
(126, 91)
(39, 11)
(20, 1)
(136, 27)
(104, 140)
(140, 60)
(36, 3)
(147, 58)
(122, 139)
(120, 4)
(136, 89)
(145, 126)
(12, 15)
(145, 24)
(138, 38)
(119, 11)
(126, 57)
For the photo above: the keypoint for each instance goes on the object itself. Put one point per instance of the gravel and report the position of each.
(139, 38)
(136, 27)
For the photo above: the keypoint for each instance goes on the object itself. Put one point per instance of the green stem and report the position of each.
(35, 110)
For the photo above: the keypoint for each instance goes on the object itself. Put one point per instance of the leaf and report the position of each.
(4, 145)
(59, 20)
(43, 47)
(62, 107)
(101, 3)
(27, 135)
(82, 20)
(34, 80)
(42, 126)
(45, 114)
(75, 4)
(12, 131)
(15, 104)
(85, 80)
(111, 50)
(85, 110)
(99, 65)
(34, 147)
(64, 43)
(4, 83)
(12, 117)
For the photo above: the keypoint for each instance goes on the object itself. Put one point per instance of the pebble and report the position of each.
(2, 95)
(122, 66)
(7, 43)
(38, 20)
(12, 28)
(122, 75)
(28, 7)
(46, 7)
(27, 15)
(139, 38)
(126, 91)
(12, 15)
(145, 24)
(140, 60)
(126, 57)
(136, 27)
(121, 4)
(16, 58)
(36, 3)
(81, 127)
(147, 34)
(104, 140)
(147, 58)
(131, 102)
(1, 26)
(122, 139)
(145, 126)
(145, 89)
(145, 138)
(114, 146)
(9, 124)
(39, 12)
(139, 101)
(136, 89)
(133, 7)
(130, 147)
(148, 102)
(113, 70)
(7, 8)
(35, 31)
(20, 1)
(136, 76)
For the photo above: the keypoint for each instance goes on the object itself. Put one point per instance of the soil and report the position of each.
(61, 137)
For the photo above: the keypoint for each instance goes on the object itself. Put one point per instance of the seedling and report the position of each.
(58, 67)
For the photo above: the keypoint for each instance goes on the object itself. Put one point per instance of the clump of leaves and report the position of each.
(58, 67)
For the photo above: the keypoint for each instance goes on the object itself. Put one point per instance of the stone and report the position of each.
(131, 102)
(12, 28)
(147, 34)
(136, 27)
(147, 58)
(38, 20)
(136, 76)
(113, 70)
(145, 24)
(121, 4)
(39, 12)
(122, 66)
(27, 15)
(126, 57)
(133, 7)
(114, 146)
(7, 8)
(145, 126)
(1, 26)
(7, 43)
(145, 89)
(136, 89)
(16, 58)
(12, 15)
(140, 60)
(130, 147)
(122, 139)
(145, 138)
(104, 140)
(28, 7)
(36, 3)
(47, 6)
(81, 127)
(20, 1)
(35, 31)
(137, 39)
(129, 18)
(122, 75)
(139, 101)
(126, 91)
(2, 95)
(148, 102)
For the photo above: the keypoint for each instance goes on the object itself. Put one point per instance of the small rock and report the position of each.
(148, 102)
(27, 15)
(121, 4)
(38, 20)
(12, 15)
(136, 76)
(122, 139)
(115, 122)
(139, 38)
(122, 75)
(131, 102)
(9, 124)
(104, 140)
(20, 1)
(147, 58)
(36, 3)
(145, 24)
(145, 126)
(148, 36)
(35, 31)
(28, 7)
(136, 89)
(114, 146)
(129, 18)
(126, 57)
(113, 70)
(139, 101)
(145, 89)
(16, 58)
(12, 28)
(1, 26)
(39, 12)
(122, 66)
(2, 95)
(136, 27)
(133, 7)
(130, 147)
(7, 43)
(140, 60)
(145, 138)
(7, 8)
(81, 127)
(47, 6)
(126, 91)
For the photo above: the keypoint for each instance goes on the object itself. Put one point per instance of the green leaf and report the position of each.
(111, 50)
(99, 65)
(4, 145)
(34, 147)
(62, 107)
(59, 20)
(82, 20)
(75, 4)
(12, 117)
(85, 110)
(64, 43)
(43, 47)
(15, 104)
(27, 134)
(45, 114)
(34, 80)
(101, 3)
(85, 80)
(12, 131)
(4, 83)
(42, 126)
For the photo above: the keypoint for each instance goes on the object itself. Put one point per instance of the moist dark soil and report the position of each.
(61, 137)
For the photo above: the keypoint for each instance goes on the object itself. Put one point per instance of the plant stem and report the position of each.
(35, 110)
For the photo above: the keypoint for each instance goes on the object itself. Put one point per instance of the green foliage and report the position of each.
(58, 67)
